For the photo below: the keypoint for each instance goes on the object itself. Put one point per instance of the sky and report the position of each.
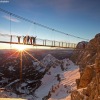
(76, 17)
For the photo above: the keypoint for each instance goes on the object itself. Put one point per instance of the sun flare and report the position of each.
(20, 47)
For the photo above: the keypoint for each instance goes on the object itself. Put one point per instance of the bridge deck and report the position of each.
(35, 44)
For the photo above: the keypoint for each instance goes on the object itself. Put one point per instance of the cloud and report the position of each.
(12, 19)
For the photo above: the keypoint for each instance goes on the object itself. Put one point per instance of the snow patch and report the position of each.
(11, 68)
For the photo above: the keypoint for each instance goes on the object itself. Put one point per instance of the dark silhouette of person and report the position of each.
(24, 40)
(18, 38)
(34, 40)
(27, 39)
(31, 40)
(11, 39)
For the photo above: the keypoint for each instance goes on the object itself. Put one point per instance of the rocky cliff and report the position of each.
(88, 86)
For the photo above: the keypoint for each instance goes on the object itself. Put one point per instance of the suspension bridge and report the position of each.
(27, 40)
(35, 41)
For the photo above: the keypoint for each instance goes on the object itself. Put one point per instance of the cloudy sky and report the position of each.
(77, 17)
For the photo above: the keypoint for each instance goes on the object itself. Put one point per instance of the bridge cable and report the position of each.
(10, 32)
(44, 26)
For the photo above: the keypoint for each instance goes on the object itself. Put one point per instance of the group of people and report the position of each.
(27, 39)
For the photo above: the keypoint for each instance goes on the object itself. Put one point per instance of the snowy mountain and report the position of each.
(57, 83)
(47, 79)
(48, 59)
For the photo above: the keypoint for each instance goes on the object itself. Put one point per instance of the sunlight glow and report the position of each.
(20, 47)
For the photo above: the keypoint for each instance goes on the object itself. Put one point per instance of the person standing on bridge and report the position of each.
(24, 40)
(10, 38)
(31, 40)
(27, 39)
(34, 40)
(19, 39)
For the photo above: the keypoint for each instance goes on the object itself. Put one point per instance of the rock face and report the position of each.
(86, 77)
(88, 86)
(82, 45)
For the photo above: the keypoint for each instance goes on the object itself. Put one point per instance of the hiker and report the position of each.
(31, 40)
(18, 38)
(27, 39)
(11, 39)
(24, 40)
(34, 40)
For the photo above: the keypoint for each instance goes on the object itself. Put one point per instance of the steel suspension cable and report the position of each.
(38, 24)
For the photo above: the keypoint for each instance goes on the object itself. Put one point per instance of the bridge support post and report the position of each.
(54, 43)
(66, 44)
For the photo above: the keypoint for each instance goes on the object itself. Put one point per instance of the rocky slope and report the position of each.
(59, 79)
(44, 79)
(88, 86)
(10, 83)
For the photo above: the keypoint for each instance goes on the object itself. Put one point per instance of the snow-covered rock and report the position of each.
(48, 59)
(47, 77)
(55, 89)
(11, 68)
